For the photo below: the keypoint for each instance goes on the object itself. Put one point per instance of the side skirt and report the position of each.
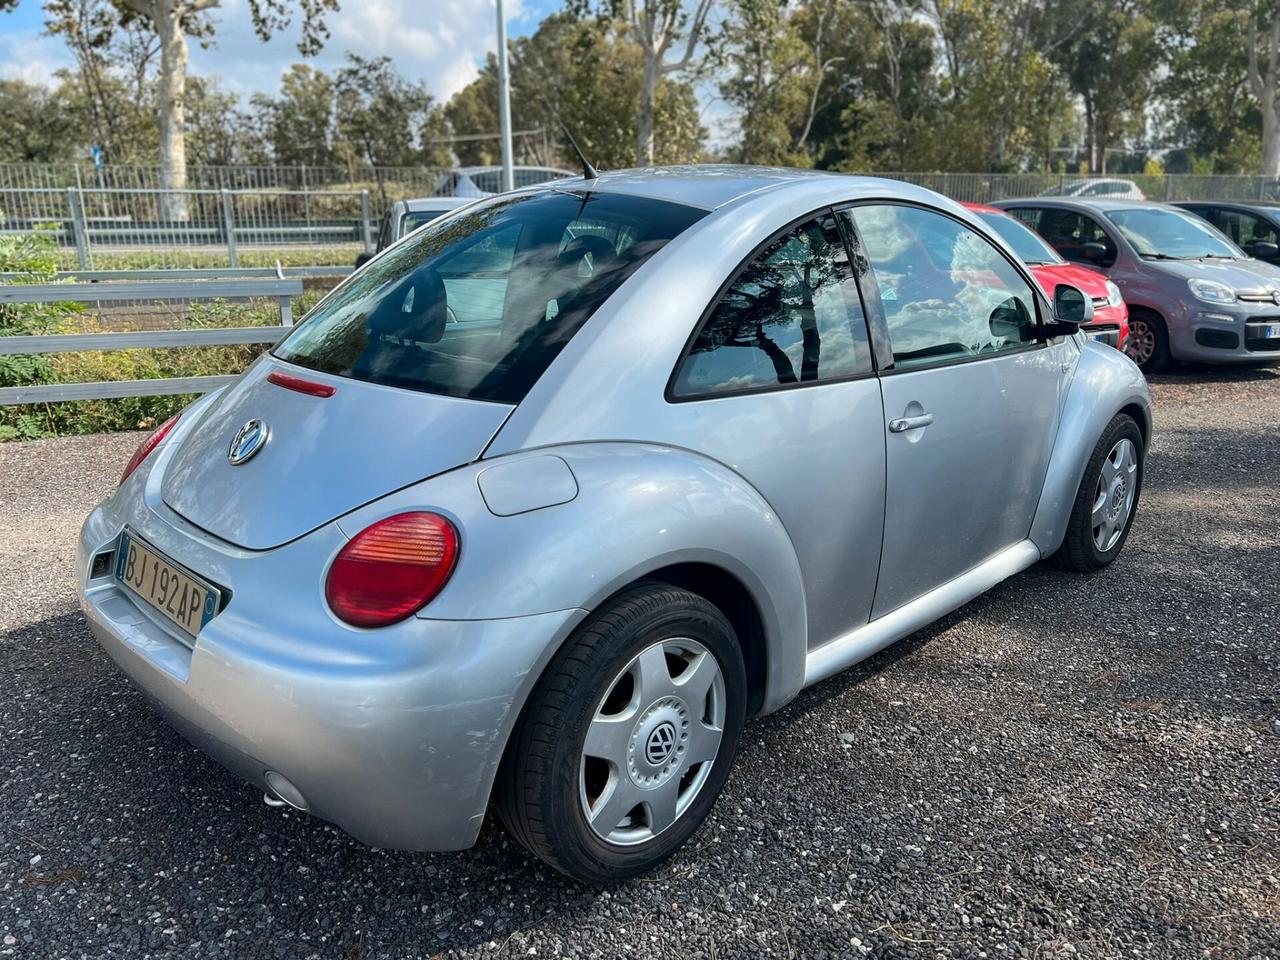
(856, 645)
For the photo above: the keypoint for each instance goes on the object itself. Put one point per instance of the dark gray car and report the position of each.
(1192, 293)
(1253, 226)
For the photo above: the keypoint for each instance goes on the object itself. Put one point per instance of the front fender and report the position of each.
(638, 508)
(1104, 383)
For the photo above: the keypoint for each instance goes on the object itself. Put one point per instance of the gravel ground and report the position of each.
(1067, 766)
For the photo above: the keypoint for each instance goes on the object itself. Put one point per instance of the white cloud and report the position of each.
(439, 42)
(27, 55)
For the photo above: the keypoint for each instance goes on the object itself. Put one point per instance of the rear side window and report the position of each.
(479, 305)
(791, 316)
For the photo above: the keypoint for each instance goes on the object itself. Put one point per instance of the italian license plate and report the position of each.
(169, 589)
(1271, 331)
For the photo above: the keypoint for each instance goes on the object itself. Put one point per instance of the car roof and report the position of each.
(468, 171)
(434, 203)
(983, 208)
(1095, 204)
(712, 185)
(1262, 206)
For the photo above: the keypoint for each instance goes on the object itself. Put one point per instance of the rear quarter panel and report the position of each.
(638, 508)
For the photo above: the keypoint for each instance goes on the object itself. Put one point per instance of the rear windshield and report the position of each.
(478, 305)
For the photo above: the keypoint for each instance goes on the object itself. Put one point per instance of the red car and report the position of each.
(1110, 315)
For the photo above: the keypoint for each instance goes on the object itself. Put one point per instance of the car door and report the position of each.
(971, 395)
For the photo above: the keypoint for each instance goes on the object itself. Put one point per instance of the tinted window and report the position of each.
(791, 316)
(947, 293)
(1243, 228)
(1068, 231)
(478, 305)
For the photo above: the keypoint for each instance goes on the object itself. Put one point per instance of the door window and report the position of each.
(1068, 231)
(947, 293)
(791, 316)
(1243, 228)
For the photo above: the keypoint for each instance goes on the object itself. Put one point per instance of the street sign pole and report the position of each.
(504, 101)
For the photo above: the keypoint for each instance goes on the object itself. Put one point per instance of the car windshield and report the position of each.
(1169, 235)
(478, 305)
(1026, 243)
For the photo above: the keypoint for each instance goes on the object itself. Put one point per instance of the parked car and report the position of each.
(405, 216)
(1254, 226)
(1109, 188)
(1110, 323)
(1192, 293)
(472, 182)
(731, 431)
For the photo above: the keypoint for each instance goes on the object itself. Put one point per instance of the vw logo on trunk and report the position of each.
(248, 440)
(661, 742)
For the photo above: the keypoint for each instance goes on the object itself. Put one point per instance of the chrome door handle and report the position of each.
(903, 424)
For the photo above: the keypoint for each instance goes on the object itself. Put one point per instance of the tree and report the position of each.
(35, 124)
(300, 123)
(1207, 108)
(588, 74)
(172, 22)
(655, 26)
(1263, 47)
(1110, 58)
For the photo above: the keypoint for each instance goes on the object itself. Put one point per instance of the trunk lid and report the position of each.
(324, 456)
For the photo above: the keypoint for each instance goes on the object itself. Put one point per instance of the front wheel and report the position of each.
(1107, 500)
(1148, 343)
(628, 738)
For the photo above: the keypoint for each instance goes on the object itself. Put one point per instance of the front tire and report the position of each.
(629, 736)
(1107, 500)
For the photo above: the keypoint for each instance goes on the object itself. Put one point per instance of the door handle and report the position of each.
(903, 424)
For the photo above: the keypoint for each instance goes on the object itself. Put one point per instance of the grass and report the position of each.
(179, 257)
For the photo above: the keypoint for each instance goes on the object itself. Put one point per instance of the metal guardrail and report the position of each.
(192, 273)
(139, 292)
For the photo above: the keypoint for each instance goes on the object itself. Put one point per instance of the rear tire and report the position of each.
(1148, 343)
(1107, 500)
(629, 736)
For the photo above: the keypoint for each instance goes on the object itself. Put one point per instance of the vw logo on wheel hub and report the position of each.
(660, 744)
(249, 439)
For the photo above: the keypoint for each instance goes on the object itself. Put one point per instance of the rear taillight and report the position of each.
(147, 445)
(392, 569)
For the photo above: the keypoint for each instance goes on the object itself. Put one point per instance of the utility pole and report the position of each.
(504, 102)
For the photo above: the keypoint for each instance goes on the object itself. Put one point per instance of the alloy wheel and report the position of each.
(1113, 497)
(652, 741)
(1142, 340)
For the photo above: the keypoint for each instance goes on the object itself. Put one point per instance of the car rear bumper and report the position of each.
(394, 735)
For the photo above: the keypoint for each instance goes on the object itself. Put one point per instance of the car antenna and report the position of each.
(588, 171)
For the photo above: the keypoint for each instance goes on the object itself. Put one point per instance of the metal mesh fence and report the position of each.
(106, 228)
(120, 218)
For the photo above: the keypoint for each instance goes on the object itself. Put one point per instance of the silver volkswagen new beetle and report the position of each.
(547, 499)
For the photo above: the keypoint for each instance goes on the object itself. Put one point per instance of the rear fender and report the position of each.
(637, 508)
(1104, 383)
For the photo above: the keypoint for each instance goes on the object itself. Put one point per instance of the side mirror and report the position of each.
(1071, 310)
(362, 259)
(1262, 250)
(1093, 252)
(1011, 322)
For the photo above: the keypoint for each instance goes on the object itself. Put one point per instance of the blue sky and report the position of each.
(439, 41)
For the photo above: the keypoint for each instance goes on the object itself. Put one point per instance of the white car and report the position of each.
(1112, 189)
(473, 182)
